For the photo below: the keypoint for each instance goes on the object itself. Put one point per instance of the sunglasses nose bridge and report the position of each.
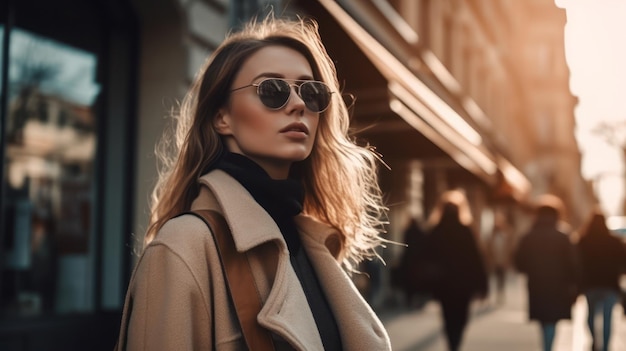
(296, 90)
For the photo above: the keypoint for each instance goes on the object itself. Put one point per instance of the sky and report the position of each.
(595, 48)
(74, 70)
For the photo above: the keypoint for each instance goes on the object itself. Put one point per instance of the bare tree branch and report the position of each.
(613, 133)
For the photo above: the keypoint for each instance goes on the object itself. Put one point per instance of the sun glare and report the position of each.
(594, 35)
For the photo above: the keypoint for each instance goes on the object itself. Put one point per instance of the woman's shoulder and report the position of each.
(185, 234)
(179, 253)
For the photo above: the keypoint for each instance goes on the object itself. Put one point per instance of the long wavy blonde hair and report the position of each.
(456, 200)
(339, 177)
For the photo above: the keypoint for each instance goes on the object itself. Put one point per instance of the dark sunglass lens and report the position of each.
(274, 93)
(315, 95)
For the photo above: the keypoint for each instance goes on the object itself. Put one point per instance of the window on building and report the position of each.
(50, 141)
(545, 126)
(541, 59)
(65, 151)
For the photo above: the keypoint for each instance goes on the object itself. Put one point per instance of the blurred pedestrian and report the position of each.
(547, 257)
(603, 261)
(407, 276)
(374, 285)
(499, 254)
(458, 269)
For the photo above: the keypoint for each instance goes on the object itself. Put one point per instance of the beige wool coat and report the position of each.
(178, 300)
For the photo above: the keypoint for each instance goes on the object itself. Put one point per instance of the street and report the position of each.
(497, 327)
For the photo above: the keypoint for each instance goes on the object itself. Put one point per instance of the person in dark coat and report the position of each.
(547, 257)
(407, 275)
(603, 260)
(457, 261)
(499, 245)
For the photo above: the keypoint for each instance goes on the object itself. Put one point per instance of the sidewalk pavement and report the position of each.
(497, 327)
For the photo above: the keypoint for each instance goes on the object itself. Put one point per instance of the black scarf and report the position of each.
(281, 198)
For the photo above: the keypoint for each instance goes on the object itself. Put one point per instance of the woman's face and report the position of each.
(274, 139)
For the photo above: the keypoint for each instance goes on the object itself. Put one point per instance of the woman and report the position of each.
(547, 258)
(457, 271)
(262, 139)
(603, 261)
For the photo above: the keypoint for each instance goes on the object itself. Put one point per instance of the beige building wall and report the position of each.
(555, 164)
(176, 38)
(508, 59)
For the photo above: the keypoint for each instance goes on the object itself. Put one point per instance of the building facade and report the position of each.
(462, 94)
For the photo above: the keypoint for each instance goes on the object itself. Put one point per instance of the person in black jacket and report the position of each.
(407, 276)
(603, 260)
(457, 267)
(547, 257)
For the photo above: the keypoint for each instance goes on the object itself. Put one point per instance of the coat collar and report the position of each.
(242, 213)
(245, 216)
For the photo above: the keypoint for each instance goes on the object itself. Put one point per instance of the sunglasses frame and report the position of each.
(298, 90)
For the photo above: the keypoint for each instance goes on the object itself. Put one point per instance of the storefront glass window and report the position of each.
(50, 136)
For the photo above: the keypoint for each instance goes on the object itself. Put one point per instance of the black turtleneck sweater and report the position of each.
(282, 199)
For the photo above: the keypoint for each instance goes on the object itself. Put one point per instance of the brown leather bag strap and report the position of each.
(241, 285)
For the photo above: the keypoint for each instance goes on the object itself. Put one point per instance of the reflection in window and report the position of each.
(51, 142)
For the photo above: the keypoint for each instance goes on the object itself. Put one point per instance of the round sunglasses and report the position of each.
(275, 92)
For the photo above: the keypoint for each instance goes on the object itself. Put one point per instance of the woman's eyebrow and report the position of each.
(267, 75)
(278, 75)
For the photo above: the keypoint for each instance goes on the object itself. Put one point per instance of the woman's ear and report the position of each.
(221, 123)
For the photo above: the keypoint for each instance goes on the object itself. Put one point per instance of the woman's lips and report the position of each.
(296, 129)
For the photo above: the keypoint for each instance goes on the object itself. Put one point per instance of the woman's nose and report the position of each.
(295, 100)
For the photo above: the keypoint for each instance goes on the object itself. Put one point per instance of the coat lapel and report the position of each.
(285, 310)
(249, 223)
(360, 327)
